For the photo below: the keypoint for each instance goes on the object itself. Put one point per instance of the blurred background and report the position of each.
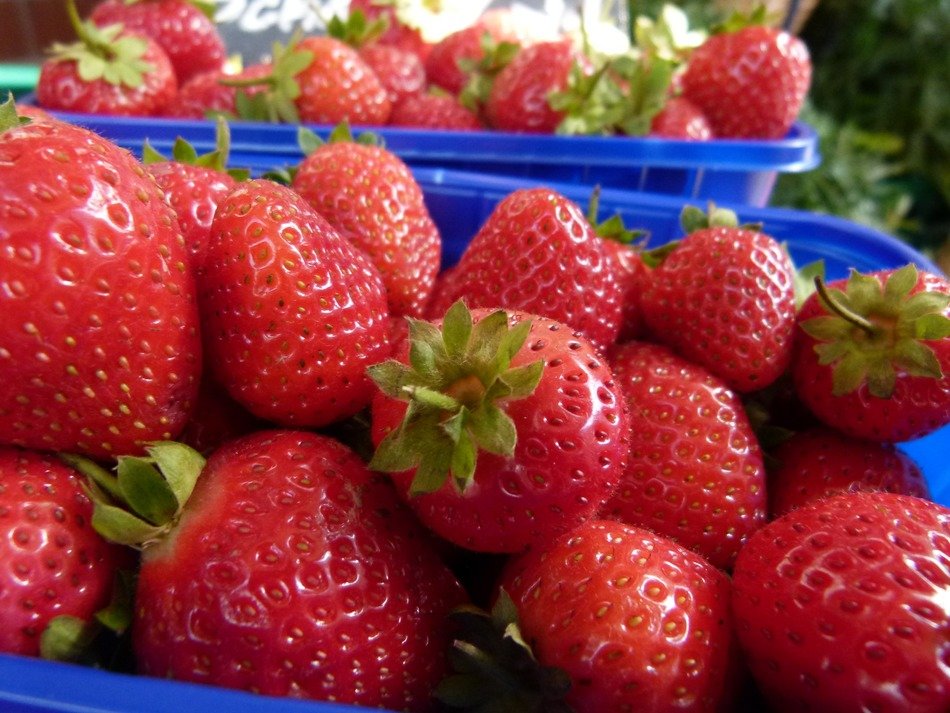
(880, 98)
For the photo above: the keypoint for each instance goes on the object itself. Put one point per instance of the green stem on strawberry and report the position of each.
(217, 160)
(8, 114)
(840, 309)
(453, 385)
(356, 30)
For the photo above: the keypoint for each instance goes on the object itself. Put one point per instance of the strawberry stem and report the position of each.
(842, 311)
(83, 33)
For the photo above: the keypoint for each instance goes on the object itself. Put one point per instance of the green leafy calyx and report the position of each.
(217, 160)
(356, 30)
(142, 501)
(456, 384)
(481, 72)
(871, 331)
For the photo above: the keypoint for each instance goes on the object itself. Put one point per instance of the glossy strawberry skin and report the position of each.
(638, 622)
(750, 83)
(724, 298)
(101, 349)
(518, 100)
(189, 37)
(292, 313)
(695, 472)
(295, 572)
(372, 199)
(632, 275)
(205, 93)
(399, 71)
(841, 605)
(194, 193)
(820, 462)
(681, 119)
(52, 562)
(60, 88)
(434, 111)
(918, 406)
(570, 451)
(338, 85)
(537, 253)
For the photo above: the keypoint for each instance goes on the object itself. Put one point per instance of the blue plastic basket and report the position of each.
(733, 171)
(459, 203)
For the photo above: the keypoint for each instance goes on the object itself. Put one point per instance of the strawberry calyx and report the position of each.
(104, 53)
(669, 37)
(356, 30)
(739, 20)
(457, 380)
(142, 502)
(873, 330)
(612, 228)
(183, 152)
(482, 71)
(495, 668)
(309, 141)
(276, 102)
(9, 118)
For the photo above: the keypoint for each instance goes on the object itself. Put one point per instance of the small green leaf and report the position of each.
(180, 465)
(862, 290)
(487, 336)
(464, 460)
(805, 280)
(394, 454)
(308, 140)
(512, 342)
(341, 133)
(523, 380)
(848, 374)
(693, 218)
(493, 430)
(432, 471)
(184, 152)
(900, 283)
(391, 376)
(146, 491)
(122, 527)
(430, 398)
(881, 378)
(931, 327)
(924, 303)
(830, 352)
(66, 638)
(917, 359)
(117, 614)
(826, 329)
(150, 155)
(99, 476)
(456, 330)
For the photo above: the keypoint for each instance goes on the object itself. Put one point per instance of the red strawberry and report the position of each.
(337, 85)
(292, 312)
(632, 275)
(372, 199)
(216, 419)
(724, 298)
(397, 34)
(450, 59)
(681, 119)
(841, 605)
(636, 621)
(206, 93)
(820, 462)
(53, 563)
(434, 111)
(519, 410)
(518, 100)
(538, 253)
(188, 35)
(399, 71)
(873, 357)
(107, 71)
(749, 83)
(695, 472)
(100, 350)
(289, 570)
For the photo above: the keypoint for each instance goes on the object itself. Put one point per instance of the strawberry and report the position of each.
(107, 71)
(681, 119)
(195, 185)
(292, 313)
(452, 58)
(280, 566)
(695, 472)
(206, 93)
(518, 99)
(216, 419)
(185, 29)
(538, 253)
(372, 199)
(399, 71)
(820, 462)
(840, 605)
(872, 357)
(724, 298)
(634, 620)
(56, 570)
(519, 410)
(434, 111)
(397, 33)
(750, 83)
(100, 351)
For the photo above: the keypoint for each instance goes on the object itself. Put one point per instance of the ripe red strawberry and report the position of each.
(195, 185)
(518, 99)
(841, 605)
(820, 462)
(434, 111)
(695, 472)
(289, 570)
(292, 313)
(399, 71)
(519, 410)
(337, 85)
(724, 298)
(106, 71)
(632, 275)
(538, 253)
(681, 119)
(99, 351)
(397, 33)
(216, 419)
(450, 59)
(206, 94)
(749, 83)
(636, 621)
(372, 199)
(52, 563)
(872, 359)
(184, 29)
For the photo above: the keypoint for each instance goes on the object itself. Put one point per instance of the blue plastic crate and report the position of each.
(459, 203)
(733, 171)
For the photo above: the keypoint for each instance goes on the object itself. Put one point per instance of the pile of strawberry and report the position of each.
(671, 477)
(166, 58)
